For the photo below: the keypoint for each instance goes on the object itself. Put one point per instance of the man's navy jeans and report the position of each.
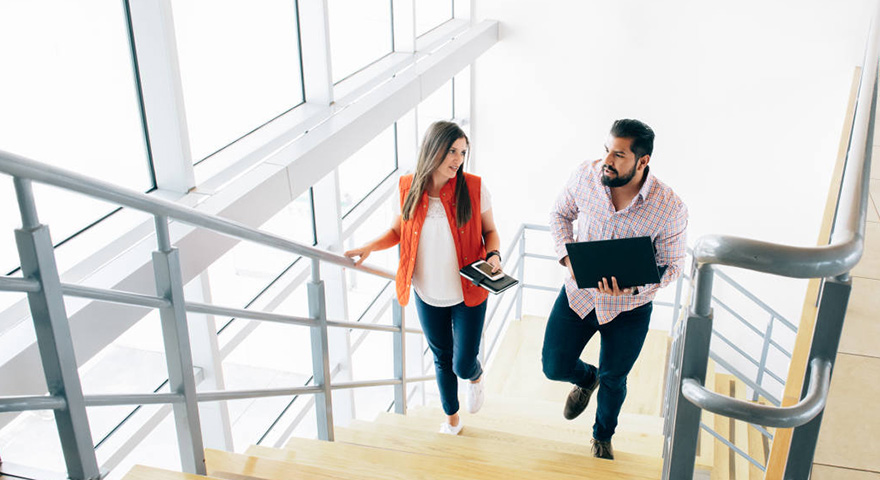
(622, 338)
(453, 334)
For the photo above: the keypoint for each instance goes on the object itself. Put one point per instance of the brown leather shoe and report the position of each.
(602, 449)
(577, 401)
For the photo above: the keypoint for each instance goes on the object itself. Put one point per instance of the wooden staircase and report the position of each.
(519, 433)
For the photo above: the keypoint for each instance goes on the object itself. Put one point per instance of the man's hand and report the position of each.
(612, 289)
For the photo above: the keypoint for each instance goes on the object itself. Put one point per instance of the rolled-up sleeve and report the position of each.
(671, 248)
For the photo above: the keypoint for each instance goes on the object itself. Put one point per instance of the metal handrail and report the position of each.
(781, 417)
(21, 167)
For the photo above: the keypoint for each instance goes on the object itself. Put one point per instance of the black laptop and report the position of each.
(630, 260)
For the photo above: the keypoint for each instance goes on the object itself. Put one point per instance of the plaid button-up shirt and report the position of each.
(656, 211)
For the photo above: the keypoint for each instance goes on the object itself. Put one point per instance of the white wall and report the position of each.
(747, 99)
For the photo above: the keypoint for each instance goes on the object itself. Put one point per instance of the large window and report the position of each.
(240, 67)
(68, 99)
(438, 106)
(360, 34)
(432, 13)
(367, 168)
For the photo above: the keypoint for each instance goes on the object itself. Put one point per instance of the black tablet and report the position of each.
(630, 260)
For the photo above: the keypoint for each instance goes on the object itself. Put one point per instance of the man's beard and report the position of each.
(621, 180)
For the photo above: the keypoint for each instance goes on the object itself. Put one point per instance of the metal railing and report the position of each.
(46, 293)
(831, 263)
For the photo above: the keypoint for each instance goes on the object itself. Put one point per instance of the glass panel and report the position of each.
(240, 67)
(367, 168)
(68, 99)
(438, 106)
(360, 34)
(431, 14)
(364, 288)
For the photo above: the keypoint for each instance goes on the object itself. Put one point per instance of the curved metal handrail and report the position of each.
(781, 417)
(24, 168)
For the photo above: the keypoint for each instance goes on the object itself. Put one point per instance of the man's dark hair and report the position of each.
(642, 136)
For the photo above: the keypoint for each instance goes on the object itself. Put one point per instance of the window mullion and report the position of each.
(404, 15)
(315, 43)
(155, 47)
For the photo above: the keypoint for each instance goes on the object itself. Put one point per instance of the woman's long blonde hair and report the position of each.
(436, 144)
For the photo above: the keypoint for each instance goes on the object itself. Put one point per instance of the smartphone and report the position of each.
(486, 270)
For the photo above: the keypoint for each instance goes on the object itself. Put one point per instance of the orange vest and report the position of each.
(468, 238)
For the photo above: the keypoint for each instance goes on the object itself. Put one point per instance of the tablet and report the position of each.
(630, 260)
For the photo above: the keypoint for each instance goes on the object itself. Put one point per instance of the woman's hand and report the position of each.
(495, 262)
(362, 253)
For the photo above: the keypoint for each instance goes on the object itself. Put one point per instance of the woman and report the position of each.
(445, 223)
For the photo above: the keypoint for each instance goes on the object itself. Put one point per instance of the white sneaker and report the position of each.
(448, 429)
(475, 395)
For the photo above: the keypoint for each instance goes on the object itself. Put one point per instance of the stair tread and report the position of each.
(651, 446)
(550, 413)
(229, 465)
(141, 472)
(358, 461)
(502, 453)
(428, 419)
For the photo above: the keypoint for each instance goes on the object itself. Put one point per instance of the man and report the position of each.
(614, 197)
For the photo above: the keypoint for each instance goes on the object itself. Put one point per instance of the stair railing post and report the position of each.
(520, 271)
(320, 353)
(833, 302)
(178, 352)
(765, 350)
(680, 446)
(54, 340)
(397, 314)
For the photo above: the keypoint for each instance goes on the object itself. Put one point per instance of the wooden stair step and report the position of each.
(233, 466)
(141, 472)
(503, 453)
(549, 413)
(429, 420)
(359, 461)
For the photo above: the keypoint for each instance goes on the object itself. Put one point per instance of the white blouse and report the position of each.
(435, 278)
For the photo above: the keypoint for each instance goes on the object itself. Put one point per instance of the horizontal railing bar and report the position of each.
(423, 378)
(535, 226)
(22, 167)
(774, 376)
(781, 417)
(132, 399)
(780, 348)
(415, 331)
(542, 257)
(739, 317)
(749, 382)
(365, 383)
(541, 287)
(196, 307)
(12, 284)
(363, 326)
(733, 283)
(114, 296)
(736, 348)
(218, 396)
(732, 446)
(662, 304)
(23, 404)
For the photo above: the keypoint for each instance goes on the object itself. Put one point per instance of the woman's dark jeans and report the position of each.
(453, 334)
